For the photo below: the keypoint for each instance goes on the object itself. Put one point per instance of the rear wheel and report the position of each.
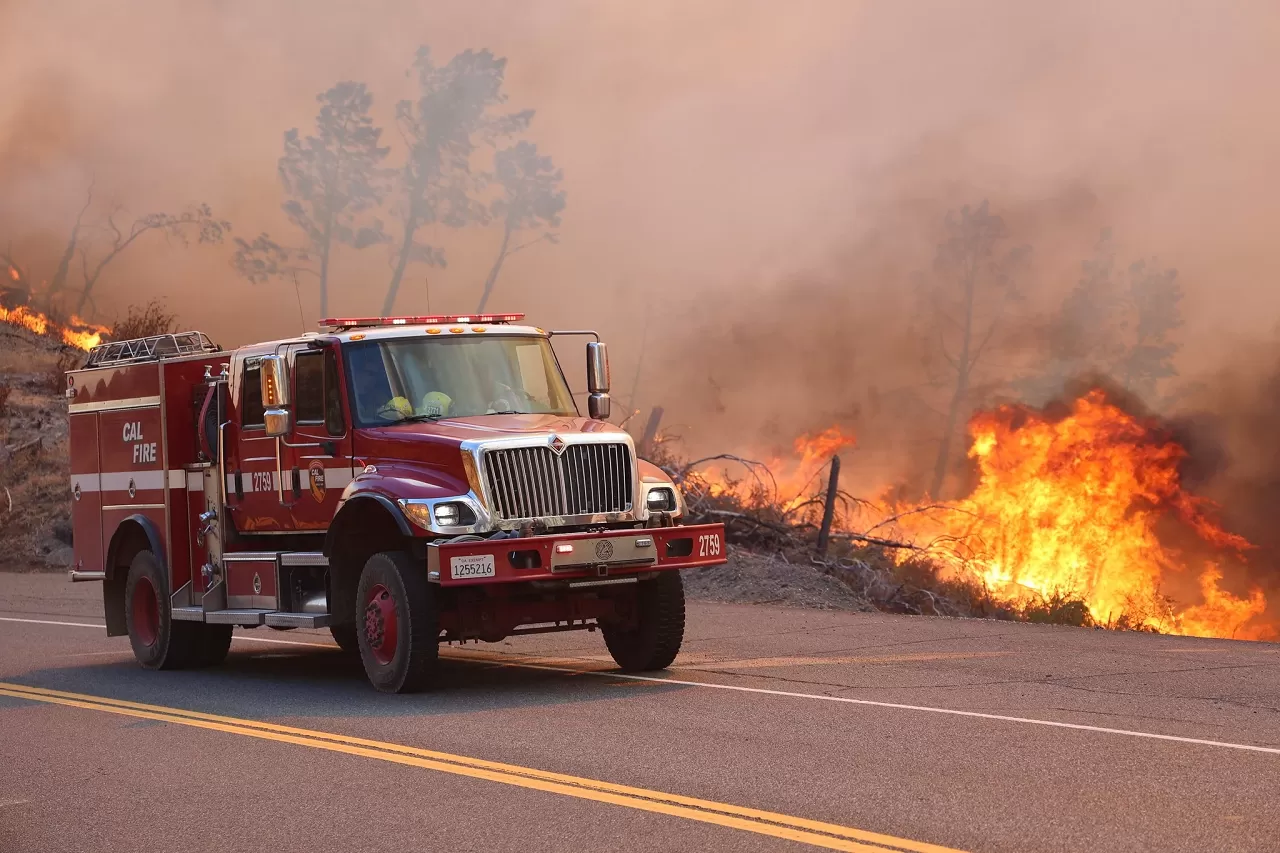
(345, 637)
(158, 641)
(655, 640)
(399, 623)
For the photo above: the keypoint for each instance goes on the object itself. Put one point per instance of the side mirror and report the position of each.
(598, 405)
(275, 395)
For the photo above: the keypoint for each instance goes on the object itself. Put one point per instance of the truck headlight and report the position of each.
(444, 514)
(661, 500)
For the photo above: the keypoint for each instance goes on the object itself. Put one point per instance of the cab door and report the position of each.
(316, 455)
(253, 491)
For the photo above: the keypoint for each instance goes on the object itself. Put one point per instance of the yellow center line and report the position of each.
(816, 833)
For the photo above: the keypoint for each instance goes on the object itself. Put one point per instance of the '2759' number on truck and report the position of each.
(709, 545)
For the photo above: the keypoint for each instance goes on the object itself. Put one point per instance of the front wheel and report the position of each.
(654, 641)
(398, 623)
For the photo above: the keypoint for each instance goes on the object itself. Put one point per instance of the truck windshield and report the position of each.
(423, 378)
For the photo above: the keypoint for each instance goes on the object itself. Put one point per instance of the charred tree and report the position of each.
(971, 287)
(198, 221)
(453, 114)
(531, 198)
(330, 178)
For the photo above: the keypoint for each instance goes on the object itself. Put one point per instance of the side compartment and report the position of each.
(86, 493)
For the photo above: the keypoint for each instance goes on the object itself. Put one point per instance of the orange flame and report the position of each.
(76, 333)
(82, 334)
(790, 479)
(1088, 505)
(1078, 506)
(20, 316)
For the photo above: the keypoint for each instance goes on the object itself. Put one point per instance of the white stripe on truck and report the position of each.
(118, 481)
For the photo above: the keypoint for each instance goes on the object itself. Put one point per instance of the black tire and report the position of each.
(215, 642)
(158, 641)
(345, 637)
(399, 623)
(655, 640)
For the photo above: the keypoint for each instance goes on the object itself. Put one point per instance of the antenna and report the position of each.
(426, 285)
(298, 293)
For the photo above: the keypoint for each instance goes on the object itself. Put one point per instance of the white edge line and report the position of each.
(103, 627)
(783, 693)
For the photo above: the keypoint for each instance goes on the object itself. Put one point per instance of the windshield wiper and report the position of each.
(417, 419)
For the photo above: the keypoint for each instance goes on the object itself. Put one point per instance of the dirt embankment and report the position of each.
(35, 493)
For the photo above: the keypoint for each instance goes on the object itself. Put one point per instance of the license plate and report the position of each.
(464, 568)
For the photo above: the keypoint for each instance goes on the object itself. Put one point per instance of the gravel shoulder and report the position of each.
(754, 578)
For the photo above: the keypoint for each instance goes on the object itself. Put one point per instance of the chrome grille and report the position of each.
(533, 482)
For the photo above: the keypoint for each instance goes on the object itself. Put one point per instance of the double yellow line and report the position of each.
(816, 833)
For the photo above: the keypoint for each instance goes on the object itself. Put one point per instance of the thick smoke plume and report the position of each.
(755, 195)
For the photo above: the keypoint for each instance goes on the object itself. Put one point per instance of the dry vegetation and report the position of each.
(773, 556)
(142, 321)
(35, 499)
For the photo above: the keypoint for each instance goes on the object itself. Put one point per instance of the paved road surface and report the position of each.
(777, 729)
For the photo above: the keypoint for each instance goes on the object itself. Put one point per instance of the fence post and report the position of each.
(829, 509)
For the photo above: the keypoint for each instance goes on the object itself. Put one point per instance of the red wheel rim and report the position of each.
(146, 613)
(380, 625)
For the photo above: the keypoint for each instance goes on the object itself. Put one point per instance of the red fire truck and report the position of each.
(401, 481)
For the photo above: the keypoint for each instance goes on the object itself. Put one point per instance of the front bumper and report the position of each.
(610, 554)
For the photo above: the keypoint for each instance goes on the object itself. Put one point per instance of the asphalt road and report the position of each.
(777, 729)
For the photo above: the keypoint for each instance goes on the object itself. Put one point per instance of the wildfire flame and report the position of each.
(82, 334)
(790, 480)
(1086, 505)
(76, 333)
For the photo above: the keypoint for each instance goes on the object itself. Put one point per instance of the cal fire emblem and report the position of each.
(316, 476)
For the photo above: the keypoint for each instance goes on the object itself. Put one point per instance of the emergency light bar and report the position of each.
(430, 320)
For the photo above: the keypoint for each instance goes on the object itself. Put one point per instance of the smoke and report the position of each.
(752, 194)
(1229, 425)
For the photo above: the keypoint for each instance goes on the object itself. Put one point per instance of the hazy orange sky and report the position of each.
(716, 155)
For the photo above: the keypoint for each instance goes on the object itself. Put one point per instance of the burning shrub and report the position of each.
(1078, 515)
(1085, 500)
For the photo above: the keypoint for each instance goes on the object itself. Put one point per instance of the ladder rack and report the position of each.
(152, 348)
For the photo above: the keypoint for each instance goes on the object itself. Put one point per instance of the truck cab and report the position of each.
(404, 481)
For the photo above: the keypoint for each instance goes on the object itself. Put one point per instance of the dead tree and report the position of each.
(972, 286)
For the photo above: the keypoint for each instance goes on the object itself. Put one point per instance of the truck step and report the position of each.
(298, 620)
(276, 618)
(236, 617)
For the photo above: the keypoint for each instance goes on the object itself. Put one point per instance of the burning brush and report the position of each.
(1082, 503)
(76, 333)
